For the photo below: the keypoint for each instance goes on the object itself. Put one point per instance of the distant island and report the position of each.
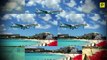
(67, 49)
(88, 36)
(49, 36)
(40, 36)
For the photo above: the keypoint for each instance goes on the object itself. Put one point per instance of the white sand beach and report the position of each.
(89, 51)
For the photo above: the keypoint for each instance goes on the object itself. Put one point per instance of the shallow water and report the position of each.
(12, 53)
(69, 42)
(17, 42)
(42, 56)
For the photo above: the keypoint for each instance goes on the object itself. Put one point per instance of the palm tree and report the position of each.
(86, 57)
(91, 50)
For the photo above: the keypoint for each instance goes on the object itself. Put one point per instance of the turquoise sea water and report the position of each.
(12, 53)
(17, 42)
(42, 56)
(69, 42)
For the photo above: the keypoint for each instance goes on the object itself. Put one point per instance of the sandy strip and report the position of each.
(90, 51)
(91, 42)
(42, 41)
(66, 55)
(31, 39)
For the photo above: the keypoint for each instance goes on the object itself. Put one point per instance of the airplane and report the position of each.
(22, 26)
(71, 26)
(38, 11)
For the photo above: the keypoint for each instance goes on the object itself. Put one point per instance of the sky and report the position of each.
(73, 12)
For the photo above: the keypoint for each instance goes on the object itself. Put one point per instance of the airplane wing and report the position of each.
(23, 26)
(31, 25)
(44, 11)
(18, 25)
(81, 25)
(38, 11)
(67, 24)
(54, 12)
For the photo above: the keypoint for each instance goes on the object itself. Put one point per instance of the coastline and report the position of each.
(65, 54)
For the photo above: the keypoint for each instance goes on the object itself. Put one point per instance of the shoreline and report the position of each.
(65, 54)
(49, 39)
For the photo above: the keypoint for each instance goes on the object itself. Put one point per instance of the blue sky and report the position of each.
(74, 12)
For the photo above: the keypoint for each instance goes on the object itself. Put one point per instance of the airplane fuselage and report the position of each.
(71, 26)
(22, 27)
(47, 12)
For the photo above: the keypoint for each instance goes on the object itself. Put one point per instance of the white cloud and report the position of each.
(52, 3)
(88, 6)
(54, 22)
(81, 1)
(29, 18)
(72, 3)
(14, 5)
(10, 6)
(27, 12)
(47, 3)
(6, 17)
(79, 8)
(96, 17)
(78, 18)
(43, 26)
(92, 26)
(47, 17)
(2, 28)
(31, 3)
(19, 8)
(72, 16)
(62, 14)
(21, 2)
(103, 22)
